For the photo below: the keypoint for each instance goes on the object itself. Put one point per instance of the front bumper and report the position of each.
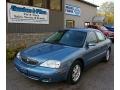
(111, 38)
(40, 73)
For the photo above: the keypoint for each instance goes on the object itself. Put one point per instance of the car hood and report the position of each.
(46, 51)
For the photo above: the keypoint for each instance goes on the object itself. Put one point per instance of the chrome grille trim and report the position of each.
(29, 61)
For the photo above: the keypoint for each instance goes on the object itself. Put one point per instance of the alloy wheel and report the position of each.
(108, 55)
(76, 73)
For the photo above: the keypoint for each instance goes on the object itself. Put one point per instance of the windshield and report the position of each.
(68, 37)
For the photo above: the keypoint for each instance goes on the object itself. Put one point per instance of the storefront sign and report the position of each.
(27, 14)
(72, 10)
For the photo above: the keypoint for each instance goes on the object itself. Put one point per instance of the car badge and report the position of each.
(28, 60)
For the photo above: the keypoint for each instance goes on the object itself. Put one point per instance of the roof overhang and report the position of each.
(83, 1)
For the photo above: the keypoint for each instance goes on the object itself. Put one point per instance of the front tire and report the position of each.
(74, 73)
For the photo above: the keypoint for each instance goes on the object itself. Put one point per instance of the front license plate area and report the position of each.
(22, 70)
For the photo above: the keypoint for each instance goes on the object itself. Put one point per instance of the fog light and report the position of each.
(47, 80)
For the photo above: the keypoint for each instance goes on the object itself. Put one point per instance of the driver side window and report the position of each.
(92, 38)
(100, 36)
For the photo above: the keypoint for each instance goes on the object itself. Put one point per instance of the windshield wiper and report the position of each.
(51, 42)
(64, 44)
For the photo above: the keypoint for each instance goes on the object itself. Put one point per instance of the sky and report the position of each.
(98, 2)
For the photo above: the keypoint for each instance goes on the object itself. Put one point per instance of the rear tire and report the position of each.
(107, 57)
(74, 72)
(112, 40)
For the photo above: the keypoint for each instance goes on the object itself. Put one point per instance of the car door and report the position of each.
(101, 43)
(92, 51)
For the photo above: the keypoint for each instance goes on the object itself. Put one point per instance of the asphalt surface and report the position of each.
(98, 77)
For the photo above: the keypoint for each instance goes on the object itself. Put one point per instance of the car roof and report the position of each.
(82, 29)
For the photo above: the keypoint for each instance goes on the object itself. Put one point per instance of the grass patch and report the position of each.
(11, 53)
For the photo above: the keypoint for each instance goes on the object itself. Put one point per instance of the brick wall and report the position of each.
(15, 40)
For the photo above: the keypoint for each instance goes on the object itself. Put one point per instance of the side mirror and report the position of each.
(90, 44)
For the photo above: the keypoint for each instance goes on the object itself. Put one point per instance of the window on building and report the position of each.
(40, 3)
(56, 4)
(23, 2)
(70, 23)
(51, 4)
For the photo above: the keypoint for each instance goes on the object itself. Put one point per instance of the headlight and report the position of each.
(18, 55)
(51, 64)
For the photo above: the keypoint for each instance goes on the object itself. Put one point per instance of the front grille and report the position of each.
(29, 61)
(112, 35)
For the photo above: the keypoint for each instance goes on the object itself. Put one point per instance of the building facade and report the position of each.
(87, 12)
(30, 21)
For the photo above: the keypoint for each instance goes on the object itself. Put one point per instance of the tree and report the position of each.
(107, 10)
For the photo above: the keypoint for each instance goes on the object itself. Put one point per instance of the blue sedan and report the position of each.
(64, 55)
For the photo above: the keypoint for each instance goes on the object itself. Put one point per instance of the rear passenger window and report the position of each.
(92, 38)
(100, 36)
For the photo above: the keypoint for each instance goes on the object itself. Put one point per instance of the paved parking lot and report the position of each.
(98, 77)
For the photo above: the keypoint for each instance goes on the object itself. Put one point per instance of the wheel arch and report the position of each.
(109, 48)
(81, 61)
